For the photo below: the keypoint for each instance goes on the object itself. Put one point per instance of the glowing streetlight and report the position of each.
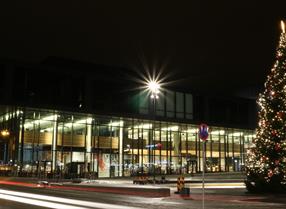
(5, 133)
(154, 88)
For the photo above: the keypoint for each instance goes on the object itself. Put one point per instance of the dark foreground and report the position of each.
(14, 196)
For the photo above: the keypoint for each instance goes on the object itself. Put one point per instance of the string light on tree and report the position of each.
(282, 26)
(266, 161)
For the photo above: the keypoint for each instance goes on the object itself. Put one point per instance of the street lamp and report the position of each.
(154, 89)
(5, 133)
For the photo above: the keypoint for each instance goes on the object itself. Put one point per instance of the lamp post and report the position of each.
(154, 89)
(5, 133)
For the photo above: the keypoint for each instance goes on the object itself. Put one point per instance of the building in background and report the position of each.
(67, 118)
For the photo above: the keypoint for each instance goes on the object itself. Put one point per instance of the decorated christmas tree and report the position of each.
(266, 159)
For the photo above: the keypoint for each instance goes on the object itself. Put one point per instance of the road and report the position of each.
(218, 196)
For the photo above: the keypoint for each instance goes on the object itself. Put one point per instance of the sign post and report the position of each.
(203, 134)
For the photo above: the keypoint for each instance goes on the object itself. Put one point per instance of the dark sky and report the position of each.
(216, 47)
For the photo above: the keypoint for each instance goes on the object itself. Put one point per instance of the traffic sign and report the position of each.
(203, 132)
(152, 146)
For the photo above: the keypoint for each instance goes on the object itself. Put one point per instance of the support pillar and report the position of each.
(54, 143)
(88, 147)
(121, 153)
(176, 139)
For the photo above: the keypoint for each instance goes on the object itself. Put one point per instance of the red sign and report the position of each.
(159, 146)
(203, 132)
(152, 146)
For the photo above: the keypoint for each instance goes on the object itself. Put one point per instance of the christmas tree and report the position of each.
(266, 160)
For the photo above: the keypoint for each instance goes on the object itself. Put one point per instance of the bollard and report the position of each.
(180, 184)
(181, 189)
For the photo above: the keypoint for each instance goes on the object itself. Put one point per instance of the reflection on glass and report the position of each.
(68, 145)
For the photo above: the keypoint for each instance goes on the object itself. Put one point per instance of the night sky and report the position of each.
(210, 47)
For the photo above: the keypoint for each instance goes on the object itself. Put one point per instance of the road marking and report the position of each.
(37, 200)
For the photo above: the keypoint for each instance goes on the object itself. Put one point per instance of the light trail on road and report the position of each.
(134, 191)
(42, 200)
(38, 202)
(218, 185)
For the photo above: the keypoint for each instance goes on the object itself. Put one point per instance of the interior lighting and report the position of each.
(236, 134)
(220, 132)
(116, 123)
(76, 124)
(42, 121)
(5, 133)
(192, 130)
(144, 126)
(171, 128)
(251, 135)
(87, 120)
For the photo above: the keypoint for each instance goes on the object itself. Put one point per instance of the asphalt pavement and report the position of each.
(121, 192)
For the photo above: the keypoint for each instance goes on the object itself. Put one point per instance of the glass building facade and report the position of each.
(45, 142)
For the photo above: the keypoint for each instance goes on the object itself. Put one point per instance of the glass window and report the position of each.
(143, 103)
(189, 106)
(109, 147)
(170, 104)
(179, 105)
(160, 107)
